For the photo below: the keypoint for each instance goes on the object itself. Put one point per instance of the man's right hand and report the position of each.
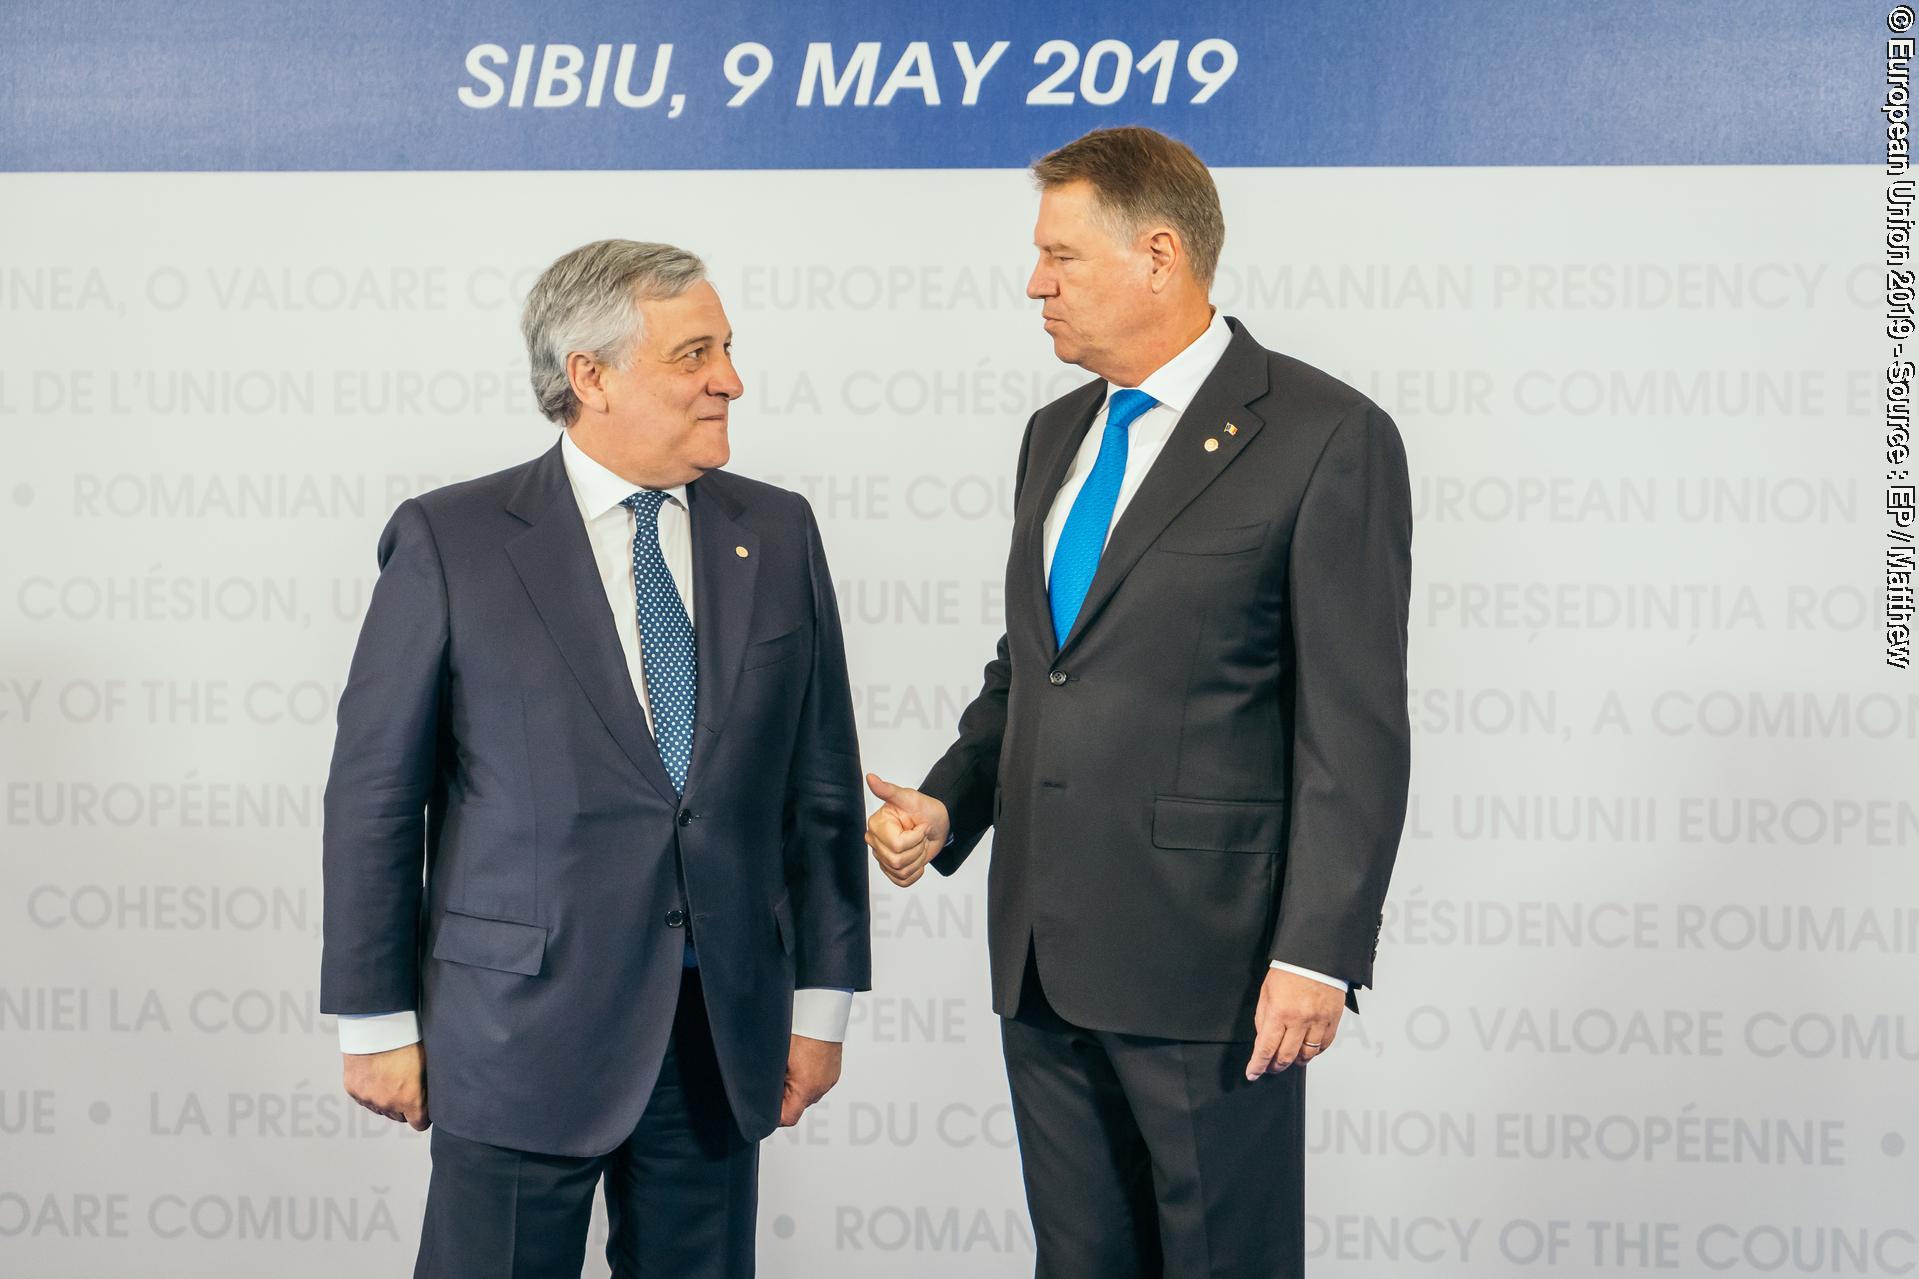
(907, 830)
(390, 1083)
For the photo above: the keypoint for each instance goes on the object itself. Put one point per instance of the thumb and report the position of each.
(885, 790)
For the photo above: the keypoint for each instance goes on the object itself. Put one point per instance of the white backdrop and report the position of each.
(1647, 994)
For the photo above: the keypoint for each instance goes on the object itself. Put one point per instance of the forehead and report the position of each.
(696, 312)
(1067, 213)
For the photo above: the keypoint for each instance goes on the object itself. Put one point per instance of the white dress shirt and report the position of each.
(1173, 384)
(817, 1013)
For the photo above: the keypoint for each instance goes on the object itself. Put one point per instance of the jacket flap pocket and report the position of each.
(1212, 541)
(766, 652)
(1223, 825)
(783, 916)
(504, 944)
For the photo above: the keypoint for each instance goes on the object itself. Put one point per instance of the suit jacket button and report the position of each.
(675, 917)
(686, 817)
(1056, 678)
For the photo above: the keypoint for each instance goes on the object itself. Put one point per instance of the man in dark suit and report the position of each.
(1193, 743)
(600, 707)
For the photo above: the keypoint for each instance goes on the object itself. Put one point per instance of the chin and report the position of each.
(715, 447)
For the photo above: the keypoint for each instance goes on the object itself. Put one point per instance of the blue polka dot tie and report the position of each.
(667, 656)
(1076, 558)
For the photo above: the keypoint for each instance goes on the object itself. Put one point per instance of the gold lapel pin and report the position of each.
(1231, 429)
(740, 551)
(1212, 446)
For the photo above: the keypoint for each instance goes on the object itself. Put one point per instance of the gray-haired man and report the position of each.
(594, 809)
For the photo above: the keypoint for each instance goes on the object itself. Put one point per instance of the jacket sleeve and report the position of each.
(825, 812)
(382, 775)
(964, 777)
(1351, 573)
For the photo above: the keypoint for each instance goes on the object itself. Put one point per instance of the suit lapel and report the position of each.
(723, 581)
(1183, 469)
(555, 564)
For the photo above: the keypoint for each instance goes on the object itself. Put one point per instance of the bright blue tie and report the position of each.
(1076, 558)
(667, 655)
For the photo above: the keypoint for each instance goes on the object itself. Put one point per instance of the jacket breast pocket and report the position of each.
(1219, 825)
(503, 944)
(1213, 541)
(769, 651)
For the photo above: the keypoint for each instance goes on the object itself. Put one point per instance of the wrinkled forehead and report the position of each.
(679, 323)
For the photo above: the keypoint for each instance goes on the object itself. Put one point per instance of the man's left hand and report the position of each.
(1296, 1020)
(812, 1068)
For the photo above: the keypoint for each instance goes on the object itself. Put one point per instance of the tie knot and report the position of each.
(646, 502)
(1123, 406)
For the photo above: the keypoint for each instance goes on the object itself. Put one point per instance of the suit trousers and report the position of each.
(681, 1191)
(1147, 1158)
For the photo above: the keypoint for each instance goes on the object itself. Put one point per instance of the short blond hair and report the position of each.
(1140, 176)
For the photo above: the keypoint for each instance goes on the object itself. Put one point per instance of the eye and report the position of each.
(694, 358)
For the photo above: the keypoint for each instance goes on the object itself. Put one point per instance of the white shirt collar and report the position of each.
(1176, 382)
(596, 489)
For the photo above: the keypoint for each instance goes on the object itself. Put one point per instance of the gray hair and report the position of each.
(589, 300)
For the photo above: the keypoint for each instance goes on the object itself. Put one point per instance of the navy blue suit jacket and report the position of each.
(503, 846)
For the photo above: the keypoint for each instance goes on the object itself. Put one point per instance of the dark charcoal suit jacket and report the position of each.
(490, 743)
(1211, 772)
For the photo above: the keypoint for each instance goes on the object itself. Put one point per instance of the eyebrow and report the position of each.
(690, 343)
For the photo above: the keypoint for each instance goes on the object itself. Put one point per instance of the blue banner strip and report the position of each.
(367, 85)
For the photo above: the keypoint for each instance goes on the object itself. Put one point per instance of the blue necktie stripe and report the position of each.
(1083, 538)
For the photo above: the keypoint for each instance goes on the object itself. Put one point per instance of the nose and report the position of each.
(1041, 284)
(725, 382)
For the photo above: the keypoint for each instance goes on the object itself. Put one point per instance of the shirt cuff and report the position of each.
(821, 1012)
(378, 1032)
(1307, 972)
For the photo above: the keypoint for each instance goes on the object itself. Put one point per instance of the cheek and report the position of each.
(688, 392)
(1091, 301)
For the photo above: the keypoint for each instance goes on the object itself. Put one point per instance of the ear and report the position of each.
(585, 374)
(1165, 253)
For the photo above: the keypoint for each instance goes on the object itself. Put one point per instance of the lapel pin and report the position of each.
(1212, 446)
(1231, 429)
(740, 551)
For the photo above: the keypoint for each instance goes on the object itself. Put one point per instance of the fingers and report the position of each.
(795, 1101)
(884, 790)
(906, 878)
(1319, 1038)
(394, 1113)
(901, 865)
(895, 830)
(402, 1106)
(1265, 1047)
(1289, 1046)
